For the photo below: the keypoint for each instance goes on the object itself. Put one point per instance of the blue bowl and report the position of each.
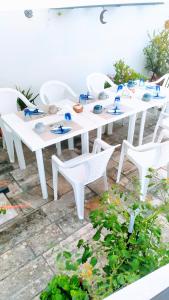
(97, 109)
(147, 97)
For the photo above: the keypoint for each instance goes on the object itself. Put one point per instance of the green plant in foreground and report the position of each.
(28, 94)
(123, 73)
(157, 54)
(63, 287)
(2, 211)
(118, 253)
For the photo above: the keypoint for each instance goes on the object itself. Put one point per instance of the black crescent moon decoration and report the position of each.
(102, 16)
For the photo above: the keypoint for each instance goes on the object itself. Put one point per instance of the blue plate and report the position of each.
(151, 87)
(114, 112)
(159, 97)
(61, 130)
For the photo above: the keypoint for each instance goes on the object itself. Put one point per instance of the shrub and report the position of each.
(125, 247)
(157, 53)
(123, 73)
(28, 94)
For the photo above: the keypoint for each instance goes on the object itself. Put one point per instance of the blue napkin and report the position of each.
(61, 130)
(32, 112)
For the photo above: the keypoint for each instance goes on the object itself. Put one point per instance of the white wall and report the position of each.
(70, 46)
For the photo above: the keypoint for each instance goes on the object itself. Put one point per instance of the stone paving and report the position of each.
(31, 236)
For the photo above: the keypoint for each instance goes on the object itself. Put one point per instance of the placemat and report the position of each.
(107, 116)
(48, 135)
(27, 118)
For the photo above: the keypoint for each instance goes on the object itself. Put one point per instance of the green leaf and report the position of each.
(93, 261)
(67, 254)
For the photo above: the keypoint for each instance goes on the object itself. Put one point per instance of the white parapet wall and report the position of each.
(69, 44)
(146, 288)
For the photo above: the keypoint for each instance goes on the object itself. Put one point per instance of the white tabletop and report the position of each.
(87, 120)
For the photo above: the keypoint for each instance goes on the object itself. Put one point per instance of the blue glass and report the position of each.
(117, 103)
(157, 90)
(141, 82)
(68, 116)
(120, 87)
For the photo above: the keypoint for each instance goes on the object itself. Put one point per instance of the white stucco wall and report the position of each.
(70, 46)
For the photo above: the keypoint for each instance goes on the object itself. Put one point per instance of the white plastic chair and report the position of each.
(8, 104)
(82, 170)
(164, 79)
(55, 91)
(163, 121)
(95, 85)
(151, 155)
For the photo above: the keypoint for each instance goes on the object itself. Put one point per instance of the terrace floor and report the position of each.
(31, 236)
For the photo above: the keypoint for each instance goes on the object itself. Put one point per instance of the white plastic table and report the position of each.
(23, 132)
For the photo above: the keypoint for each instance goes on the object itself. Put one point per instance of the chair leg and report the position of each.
(120, 164)
(143, 183)
(110, 129)
(155, 132)
(10, 149)
(103, 129)
(9, 145)
(105, 182)
(79, 198)
(55, 180)
(58, 148)
(71, 144)
(168, 170)
(3, 143)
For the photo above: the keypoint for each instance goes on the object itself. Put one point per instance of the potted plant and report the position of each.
(28, 94)
(157, 54)
(125, 247)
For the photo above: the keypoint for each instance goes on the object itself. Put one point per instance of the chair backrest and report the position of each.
(55, 91)
(93, 167)
(158, 155)
(8, 100)
(165, 79)
(95, 83)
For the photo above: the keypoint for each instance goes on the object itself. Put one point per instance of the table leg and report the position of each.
(19, 152)
(85, 142)
(41, 170)
(99, 132)
(142, 125)
(131, 128)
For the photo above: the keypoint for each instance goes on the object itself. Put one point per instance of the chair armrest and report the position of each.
(143, 148)
(165, 114)
(57, 161)
(100, 144)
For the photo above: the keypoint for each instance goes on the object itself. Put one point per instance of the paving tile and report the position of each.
(46, 239)
(10, 213)
(63, 185)
(28, 282)
(71, 223)
(22, 229)
(55, 210)
(32, 199)
(27, 178)
(15, 258)
(69, 244)
(98, 185)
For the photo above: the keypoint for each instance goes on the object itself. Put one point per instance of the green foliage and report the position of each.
(123, 73)
(115, 257)
(2, 211)
(157, 53)
(28, 94)
(64, 287)
(107, 85)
